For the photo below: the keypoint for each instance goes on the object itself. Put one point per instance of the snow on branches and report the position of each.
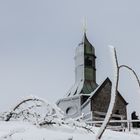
(33, 109)
(42, 114)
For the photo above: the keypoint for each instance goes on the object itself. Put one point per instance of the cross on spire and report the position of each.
(85, 25)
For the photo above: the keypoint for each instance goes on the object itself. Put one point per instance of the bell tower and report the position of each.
(85, 79)
(85, 69)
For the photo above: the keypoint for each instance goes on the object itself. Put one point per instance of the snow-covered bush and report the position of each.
(42, 114)
(33, 109)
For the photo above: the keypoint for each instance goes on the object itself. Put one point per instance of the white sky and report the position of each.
(38, 39)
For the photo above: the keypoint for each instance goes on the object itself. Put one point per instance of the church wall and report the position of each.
(121, 107)
(100, 101)
(86, 108)
(86, 111)
(70, 106)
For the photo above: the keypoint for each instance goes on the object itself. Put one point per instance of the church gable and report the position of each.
(101, 98)
(70, 106)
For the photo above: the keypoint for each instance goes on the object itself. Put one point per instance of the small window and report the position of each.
(71, 110)
(88, 61)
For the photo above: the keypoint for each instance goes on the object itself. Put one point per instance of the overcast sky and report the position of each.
(38, 40)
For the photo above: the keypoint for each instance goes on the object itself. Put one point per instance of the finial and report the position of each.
(85, 25)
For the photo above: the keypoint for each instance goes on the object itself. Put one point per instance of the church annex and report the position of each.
(86, 97)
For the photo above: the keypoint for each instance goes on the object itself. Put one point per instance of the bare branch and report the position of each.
(127, 67)
(113, 95)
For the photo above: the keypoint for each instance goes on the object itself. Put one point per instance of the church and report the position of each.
(86, 97)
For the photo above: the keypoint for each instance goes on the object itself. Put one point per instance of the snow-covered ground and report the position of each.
(36, 119)
(15, 130)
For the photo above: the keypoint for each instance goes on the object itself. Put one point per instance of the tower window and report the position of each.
(88, 61)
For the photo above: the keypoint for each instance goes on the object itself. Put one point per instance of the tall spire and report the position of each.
(85, 68)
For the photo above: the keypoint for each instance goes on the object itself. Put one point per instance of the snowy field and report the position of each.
(26, 131)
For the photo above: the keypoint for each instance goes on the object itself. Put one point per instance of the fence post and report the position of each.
(129, 125)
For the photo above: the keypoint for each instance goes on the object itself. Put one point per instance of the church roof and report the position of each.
(99, 88)
(88, 46)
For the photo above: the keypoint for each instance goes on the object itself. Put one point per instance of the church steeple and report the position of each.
(89, 61)
(85, 68)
